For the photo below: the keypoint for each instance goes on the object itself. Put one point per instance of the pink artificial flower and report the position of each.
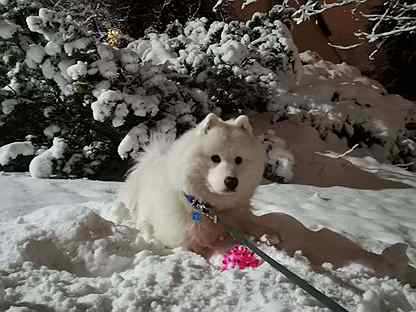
(240, 257)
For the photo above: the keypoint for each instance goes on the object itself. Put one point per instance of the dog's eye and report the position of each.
(216, 158)
(238, 160)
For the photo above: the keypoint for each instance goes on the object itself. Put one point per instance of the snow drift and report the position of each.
(60, 251)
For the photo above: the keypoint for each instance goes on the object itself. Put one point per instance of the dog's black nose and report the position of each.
(231, 183)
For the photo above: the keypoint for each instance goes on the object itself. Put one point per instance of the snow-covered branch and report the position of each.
(395, 17)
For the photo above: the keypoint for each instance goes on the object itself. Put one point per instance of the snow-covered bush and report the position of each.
(163, 83)
(16, 156)
(337, 98)
(167, 82)
(44, 164)
(107, 102)
(23, 90)
(38, 96)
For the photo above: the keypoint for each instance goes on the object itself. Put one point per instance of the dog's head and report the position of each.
(229, 160)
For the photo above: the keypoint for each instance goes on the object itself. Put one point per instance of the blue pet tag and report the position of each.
(196, 216)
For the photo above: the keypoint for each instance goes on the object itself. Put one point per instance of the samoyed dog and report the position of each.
(221, 163)
(218, 162)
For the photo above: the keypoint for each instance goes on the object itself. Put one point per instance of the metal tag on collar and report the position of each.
(200, 209)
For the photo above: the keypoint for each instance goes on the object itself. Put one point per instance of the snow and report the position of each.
(120, 112)
(105, 52)
(217, 5)
(52, 48)
(42, 165)
(373, 218)
(47, 15)
(247, 3)
(337, 98)
(143, 104)
(51, 130)
(155, 51)
(60, 79)
(10, 151)
(59, 252)
(34, 23)
(113, 103)
(48, 70)
(128, 56)
(8, 106)
(130, 145)
(220, 44)
(76, 45)
(45, 24)
(231, 52)
(77, 71)
(63, 66)
(7, 29)
(100, 87)
(105, 104)
(59, 74)
(34, 55)
(385, 171)
(108, 70)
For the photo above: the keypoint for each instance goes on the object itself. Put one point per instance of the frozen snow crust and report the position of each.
(60, 252)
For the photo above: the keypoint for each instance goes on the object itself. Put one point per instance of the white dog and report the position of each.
(221, 163)
(218, 162)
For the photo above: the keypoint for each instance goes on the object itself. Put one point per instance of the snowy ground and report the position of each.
(58, 223)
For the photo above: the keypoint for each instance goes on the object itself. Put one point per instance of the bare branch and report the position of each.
(336, 155)
(396, 18)
(350, 47)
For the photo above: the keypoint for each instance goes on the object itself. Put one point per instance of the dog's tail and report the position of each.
(157, 147)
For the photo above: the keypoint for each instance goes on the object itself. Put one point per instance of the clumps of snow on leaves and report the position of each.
(167, 82)
(196, 49)
(55, 58)
(200, 44)
(200, 50)
(7, 28)
(8, 105)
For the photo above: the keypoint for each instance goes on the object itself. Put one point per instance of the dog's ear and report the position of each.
(210, 121)
(243, 122)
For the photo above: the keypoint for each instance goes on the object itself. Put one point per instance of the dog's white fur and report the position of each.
(154, 195)
(154, 190)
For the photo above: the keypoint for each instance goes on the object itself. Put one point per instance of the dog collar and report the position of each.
(200, 208)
